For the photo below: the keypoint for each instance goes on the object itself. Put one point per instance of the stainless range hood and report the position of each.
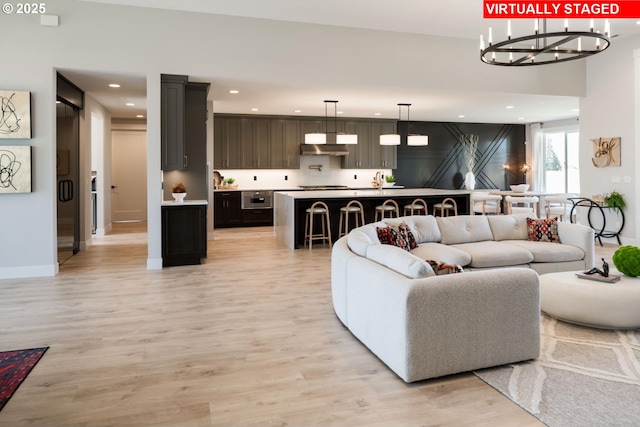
(323, 149)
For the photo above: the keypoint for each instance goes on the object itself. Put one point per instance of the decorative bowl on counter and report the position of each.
(179, 197)
(520, 188)
(388, 184)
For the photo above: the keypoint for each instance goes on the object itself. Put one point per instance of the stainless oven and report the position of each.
(257, 199)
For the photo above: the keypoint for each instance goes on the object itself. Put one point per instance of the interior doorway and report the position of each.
(128, 176)
(69, 102)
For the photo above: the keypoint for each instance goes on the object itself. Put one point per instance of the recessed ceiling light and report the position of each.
(140, 116)
(377, 114)
(520, 118)
(510, 107)
(297, 111)
(461, 116)
(576, 110)
(234, 91)
(637, 22)
(254, 109)
(130, 104)
(114, 85)
(339, 112)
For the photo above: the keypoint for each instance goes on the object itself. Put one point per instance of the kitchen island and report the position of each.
(290, 206)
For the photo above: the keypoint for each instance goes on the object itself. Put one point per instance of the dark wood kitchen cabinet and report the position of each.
(285, 144)
(172, 123)
(227, 209)
(256, 143)
(183, 124)
(227, 143)
(383, 156)
(184, 234)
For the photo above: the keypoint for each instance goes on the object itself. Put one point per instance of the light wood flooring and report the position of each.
(247, 339)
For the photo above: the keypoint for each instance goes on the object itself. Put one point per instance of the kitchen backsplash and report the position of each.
(314, 170)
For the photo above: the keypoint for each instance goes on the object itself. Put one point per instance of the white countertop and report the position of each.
(384, 192)
(186, 202)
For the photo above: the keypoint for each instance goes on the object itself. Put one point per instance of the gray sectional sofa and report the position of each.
(423, 325)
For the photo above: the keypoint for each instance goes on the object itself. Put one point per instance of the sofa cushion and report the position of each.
(464, 229)
(549, 252)
(359, 239)
(442, 253)
(509, 227)
(400, 261)
(543, 230)
(495, 254)
(397, 235)
(424, 228)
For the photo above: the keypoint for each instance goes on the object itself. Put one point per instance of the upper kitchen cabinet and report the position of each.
(360, 155)
(383, 156)
(285, 144)
(227, 142)
(173, 121)
(183, 123)
(256, 143)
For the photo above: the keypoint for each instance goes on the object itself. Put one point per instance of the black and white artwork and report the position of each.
(15, 114)
(15, 169)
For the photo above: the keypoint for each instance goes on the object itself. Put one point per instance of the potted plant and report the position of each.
(179, 192)
(390, 180)
(615, 200)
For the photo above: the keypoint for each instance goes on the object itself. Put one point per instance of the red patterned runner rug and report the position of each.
(14, 368)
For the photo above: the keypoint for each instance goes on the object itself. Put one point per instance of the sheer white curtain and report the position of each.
(539, 157)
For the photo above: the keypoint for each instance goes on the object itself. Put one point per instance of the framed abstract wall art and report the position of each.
(15, 114)
(15, 169)
(606, 152)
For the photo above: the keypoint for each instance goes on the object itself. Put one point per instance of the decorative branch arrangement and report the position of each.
(469, 146)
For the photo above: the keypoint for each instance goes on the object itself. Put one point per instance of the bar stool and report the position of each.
(530, 202)
(321, 209)
(418, 206)
(446, 206)
(390, 206)
(353, 207)
(484, 203)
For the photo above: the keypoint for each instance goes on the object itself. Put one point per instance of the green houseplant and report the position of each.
(615, 200)
(390, 178)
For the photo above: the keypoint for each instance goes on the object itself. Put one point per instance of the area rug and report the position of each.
(583, 377)
(14, 368)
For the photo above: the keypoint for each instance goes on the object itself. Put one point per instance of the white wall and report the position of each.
(94, 155)
(611, 109)
(120, 39)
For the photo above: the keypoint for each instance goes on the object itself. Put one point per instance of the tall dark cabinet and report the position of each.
(184, 159)
(173, 121)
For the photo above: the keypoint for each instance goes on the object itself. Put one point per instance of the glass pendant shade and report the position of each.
(345, 138)
(417, 140)
(315, 138)
(390, 139)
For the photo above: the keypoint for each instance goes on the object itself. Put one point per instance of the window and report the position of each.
(561, 172)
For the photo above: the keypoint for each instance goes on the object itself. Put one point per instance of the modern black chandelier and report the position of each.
(544, 47)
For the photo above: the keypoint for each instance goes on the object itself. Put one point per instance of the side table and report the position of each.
(600, 232)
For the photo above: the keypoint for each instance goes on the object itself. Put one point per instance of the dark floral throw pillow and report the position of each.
(543, 230)
(400, 236)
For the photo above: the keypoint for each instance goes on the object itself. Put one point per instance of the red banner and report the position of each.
(625, 9)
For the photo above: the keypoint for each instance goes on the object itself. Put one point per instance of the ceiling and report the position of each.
(445, 18)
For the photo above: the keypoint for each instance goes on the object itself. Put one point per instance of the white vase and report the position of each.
(179, 197)
(469, 181)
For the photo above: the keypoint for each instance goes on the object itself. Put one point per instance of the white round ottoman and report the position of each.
(587, 302)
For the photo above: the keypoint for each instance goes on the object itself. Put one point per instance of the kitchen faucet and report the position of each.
(377, 180)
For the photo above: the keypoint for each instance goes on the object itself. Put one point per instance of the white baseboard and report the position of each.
(29, 271)
(154, 263)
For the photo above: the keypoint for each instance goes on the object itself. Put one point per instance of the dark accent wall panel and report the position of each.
(441, 164)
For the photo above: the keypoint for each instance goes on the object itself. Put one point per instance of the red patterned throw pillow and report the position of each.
(543, 230)
(400, 236)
